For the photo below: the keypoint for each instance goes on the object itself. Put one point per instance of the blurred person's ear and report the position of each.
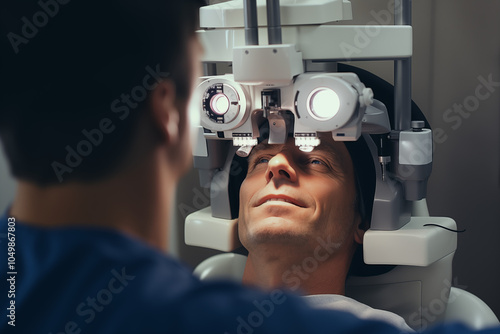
(165, 112)
(170, 121)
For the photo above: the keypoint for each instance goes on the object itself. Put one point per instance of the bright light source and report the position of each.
(307, 144)
(220, 104)
(306, 149)
(323, 103)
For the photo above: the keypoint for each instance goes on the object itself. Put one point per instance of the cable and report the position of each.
(446, 228)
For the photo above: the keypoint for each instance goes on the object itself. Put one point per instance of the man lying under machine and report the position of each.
(302, 217)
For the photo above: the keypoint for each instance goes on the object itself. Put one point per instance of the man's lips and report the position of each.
(280, 198)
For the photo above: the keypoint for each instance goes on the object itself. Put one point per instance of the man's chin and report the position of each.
(278, 230)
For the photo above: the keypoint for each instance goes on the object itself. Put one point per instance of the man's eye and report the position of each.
(317, 162)
(260, 160)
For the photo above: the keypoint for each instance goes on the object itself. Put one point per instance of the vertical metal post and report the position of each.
(251, 25)
(273, 21)
(402, 73)
(209, 69)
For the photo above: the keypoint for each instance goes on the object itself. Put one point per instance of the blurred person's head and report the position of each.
(93, 110)
(77, 80)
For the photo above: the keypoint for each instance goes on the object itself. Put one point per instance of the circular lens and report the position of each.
(220, 104)
(323, 103)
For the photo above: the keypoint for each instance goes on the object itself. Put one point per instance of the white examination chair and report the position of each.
(419, 291)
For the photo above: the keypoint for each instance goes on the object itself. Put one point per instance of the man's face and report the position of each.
(294, 197)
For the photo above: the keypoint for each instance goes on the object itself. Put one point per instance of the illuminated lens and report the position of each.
(220, 104)
(306, 149)
(324, 103)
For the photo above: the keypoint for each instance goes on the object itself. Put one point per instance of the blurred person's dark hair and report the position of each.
(60, 74)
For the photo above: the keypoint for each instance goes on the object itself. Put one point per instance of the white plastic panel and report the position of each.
(468, 309)
(270, 65)
(198, 142)
(228, 266)
(319, 42)
(293, 12)
(402, 298)
(413, 244)
(419, 208)
(203, 230)
(355, 42)
(418, 294)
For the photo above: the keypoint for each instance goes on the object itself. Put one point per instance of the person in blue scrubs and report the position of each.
(93, 120)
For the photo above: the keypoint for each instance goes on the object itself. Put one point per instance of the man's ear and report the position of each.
(165, 111)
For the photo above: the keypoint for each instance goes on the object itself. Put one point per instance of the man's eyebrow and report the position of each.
(328, 150)
(260, 147)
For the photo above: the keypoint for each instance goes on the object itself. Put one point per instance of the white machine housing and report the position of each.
(421, 280)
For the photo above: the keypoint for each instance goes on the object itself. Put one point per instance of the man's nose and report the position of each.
(280, 167)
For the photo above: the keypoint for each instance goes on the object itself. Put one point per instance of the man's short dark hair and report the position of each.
(75, 76)
(365, 178)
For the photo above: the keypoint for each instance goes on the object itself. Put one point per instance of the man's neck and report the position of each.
(135, 201)
(314, 273)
